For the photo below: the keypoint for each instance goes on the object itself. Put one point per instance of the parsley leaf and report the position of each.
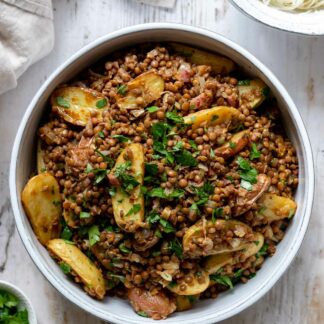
(142, 313)
(101, 103)
(255, 154)
(151, 169)
(263, 250)
(122, 89)
(185, 158)
(93, 234)
(65, 267)
(223, 280)
(174, 117)
(121, 138)
(152, 109)
(135, 209)
(217, 212)
(62, 102)
(84, 215)
(124, 249)
(247, 173)
(160, 193)
(244, 82)
(176, 247)
(167, 227)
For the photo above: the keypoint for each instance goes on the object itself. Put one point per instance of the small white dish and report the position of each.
(306, 23)
(24, 302)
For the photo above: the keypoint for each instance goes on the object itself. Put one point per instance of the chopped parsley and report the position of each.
(10, 312)
(128, 182)
(154, 218)
(176, 247)
(232, 145)
(217, 212)
(152, 109)
(193, 145)
(65, 267)
(84, 215)
(66, 233)
(56, 203)
(160, 193)
(247, 173)
(62, 102)
(101, 134)
(93, 235)
(185, 158)
(124, 249)
(122, 89)
(101, 103)
(244, 82)
(203, 194)
(121, 138)
(255, 154)
(135, 209)
(266, 92)
(142, 313)
(263, 250)
(173, 116)
(223, 280)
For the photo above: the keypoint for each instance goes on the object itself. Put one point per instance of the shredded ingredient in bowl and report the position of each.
(298, 5)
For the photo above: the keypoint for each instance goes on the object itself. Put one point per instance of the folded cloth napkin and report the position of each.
(26, 35)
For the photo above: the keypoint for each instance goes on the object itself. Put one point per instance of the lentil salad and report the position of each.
(163, 177)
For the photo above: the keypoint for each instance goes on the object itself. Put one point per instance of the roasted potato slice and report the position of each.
(128, 207)
(43, 206)
(218, 63)
(149, 86)
(235, 145)
(77, 105)
(196, 243)
(214, 116)
(199, 284)
(253, 93)
(185, 302)
(81, 265)
(273, 207)
(41, 167)
(245, 198)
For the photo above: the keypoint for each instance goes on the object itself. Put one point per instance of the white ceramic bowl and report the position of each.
(307, 23)
(24, 302)
(23, 162)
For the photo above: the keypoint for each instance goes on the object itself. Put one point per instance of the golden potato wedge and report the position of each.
(214, 116)
(77, 105)
(235, 145)
(245, 198)
(41, 167)
(128, 207)
(196, 243)
(81, 265)
(185, 302)
(218, 63)
(199, 284)
(42, 203)
(213, 263)
(253, 93)
(149, 86)
(274, 207)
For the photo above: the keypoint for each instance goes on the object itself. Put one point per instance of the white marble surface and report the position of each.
(296, 60)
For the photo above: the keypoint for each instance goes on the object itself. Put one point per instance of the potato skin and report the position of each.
(80, 104)
(253, 93)
(42, 203)
(213, 116)
(89, 274)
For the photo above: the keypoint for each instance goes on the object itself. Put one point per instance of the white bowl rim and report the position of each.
(267, 285)
(5, 285)
(278, 24)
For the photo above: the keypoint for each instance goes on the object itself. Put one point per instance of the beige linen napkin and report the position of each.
(26, 35)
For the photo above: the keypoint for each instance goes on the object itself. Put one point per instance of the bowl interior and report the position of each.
(117, 310)
(308, 23)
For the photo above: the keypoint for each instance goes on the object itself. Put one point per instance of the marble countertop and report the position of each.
(296, 60)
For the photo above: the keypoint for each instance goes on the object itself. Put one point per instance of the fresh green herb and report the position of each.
(121, 138)
(152, 109)
(223, 280)
(203, 193)
(143, 190)
(101, 103)
(167, 227)
(217, 212)
(158, 234)
(244, 82)
(262, 210)
(93, 235)
(230, 178)
(153, 217)
(172, 284)
(291, 213)
(128, 182)
(112, 191)
(263, 250)
(142, 313)
(101, 134)
(56, 203)
(151, 169)
(106, 158)
(84, 215)
(251, 275)
(176, 247)
(9, 311)
(113, 229)
(232, 145)
(88, 169)
(215, 117)
(191, 299)
(247, 173)
(160, 193)
(156, 253)
(255, 154)
(177, 119)
(66, 233)
(193, 144)
(135, 209)
(256, 242)
(212, 153)
(238, 274)
(69, 242)
(65, 267)
(115, 276)
(122, 89)
(124, 249)
(185, 158)
(62, 102)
